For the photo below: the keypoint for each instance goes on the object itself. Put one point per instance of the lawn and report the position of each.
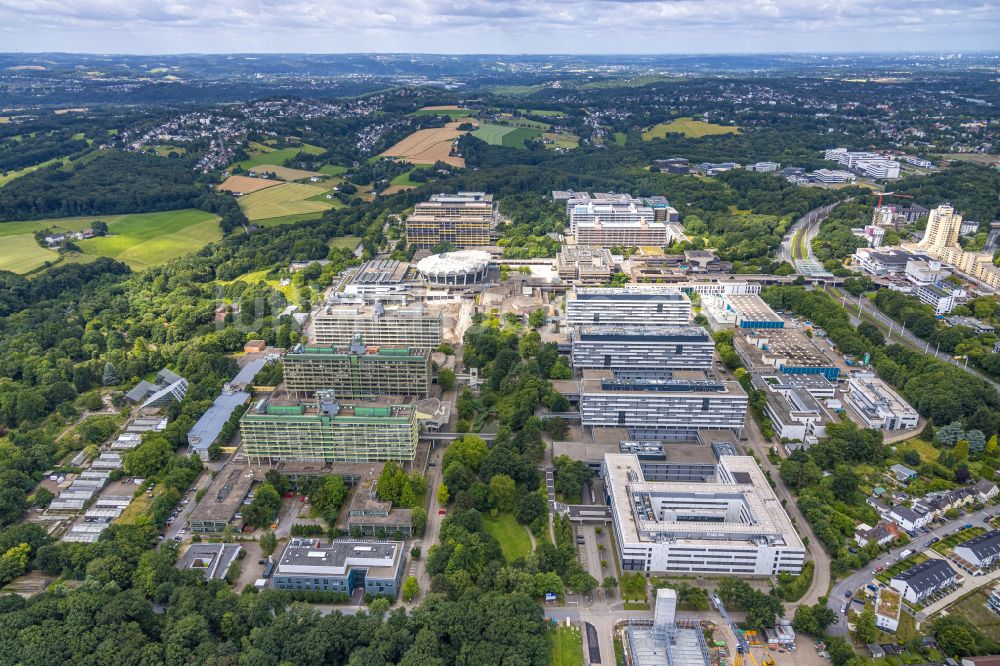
(620, 138)
(525, 122)
(282, 200)
(403, 182)
(267, 155)
(566, 646)
(946, 544)
(926, 450)
(22, 254)
(688, 127)
(287, 173)
(287, 219)
(333, 169)
(542, 112)
(345, 242)
(567, 141)
(452, 112)
(150, 239)
(902, 565)
(513, 537)
(973, 608)
(11, 175)
(254, 277)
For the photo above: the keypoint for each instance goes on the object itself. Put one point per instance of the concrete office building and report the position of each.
(584, 265)
(465, 220)
(358, 371)
(794, 412)
(649, 305)
(378, 325)
(879, 406)
(328, 431)
(664, 409)
(607, 211)
(615, 233)
(734, 525)
(341, 566)
(764, 167)
(642, 351)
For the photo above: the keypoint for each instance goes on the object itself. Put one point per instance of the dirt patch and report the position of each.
(428, 146)
(393, 189)
(245, 184)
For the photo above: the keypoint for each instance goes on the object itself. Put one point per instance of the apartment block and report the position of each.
(378, 325)
(464, 219)
(638, 351)
(357, 371)
(328, 431)
(651, 305)
(663, 409)
(731, 524)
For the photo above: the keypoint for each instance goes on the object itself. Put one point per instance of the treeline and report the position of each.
(970, 188)
(111, 183)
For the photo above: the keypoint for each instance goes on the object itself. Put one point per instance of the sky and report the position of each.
(498, 26)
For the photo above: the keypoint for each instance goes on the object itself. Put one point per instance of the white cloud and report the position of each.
(522, 26)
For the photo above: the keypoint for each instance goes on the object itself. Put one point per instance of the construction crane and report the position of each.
(742, 646)
(890, 194)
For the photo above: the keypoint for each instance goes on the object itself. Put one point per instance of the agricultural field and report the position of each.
(524, 122)
(689, 127)
(402, 183)
(246, 184)
(451, 111)
(282, 200)
(163, 151)
(428, 146)
(262, 154)
(150, 239)
(21, 253)
(287, 173)
(344, 242)
(565, 141)
(504, 135)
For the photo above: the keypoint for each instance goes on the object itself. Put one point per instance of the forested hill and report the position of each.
(110, 183)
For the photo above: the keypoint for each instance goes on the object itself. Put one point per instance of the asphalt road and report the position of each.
(809, 224)
(864, 576)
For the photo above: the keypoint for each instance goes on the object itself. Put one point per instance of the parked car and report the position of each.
(847, 594)
(441, 512)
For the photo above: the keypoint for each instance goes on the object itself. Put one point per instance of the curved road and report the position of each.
(864, 576)
(808, 224)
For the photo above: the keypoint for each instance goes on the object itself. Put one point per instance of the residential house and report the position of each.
(985, 490)
(879, 535)
(909, 519)
(903, 473)
(921, 581)
(980, 551)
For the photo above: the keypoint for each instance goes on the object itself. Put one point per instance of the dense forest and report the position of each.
(107, 183)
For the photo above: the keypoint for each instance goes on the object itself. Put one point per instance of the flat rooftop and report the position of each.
(616, 332)
(634, 293)
(696, 387)
(308, 557)
(752, 307)
(790, 344)
(226, 494)
(381, 272)
(633, 499)
(279, 403)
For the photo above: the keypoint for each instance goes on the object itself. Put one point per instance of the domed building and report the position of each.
(455, 269)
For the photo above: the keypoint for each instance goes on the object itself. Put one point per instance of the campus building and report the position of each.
(601, 233)
(341, 566)
(795, 413)
(661, 409)
(465, 220)
(357, 371)
(584, 265)
(609, 212)
(329, 431)
(378, 325)
(639, 350)
(787, 349)
(878, 405)
(730, 525)
(650, 305)
(742, 311)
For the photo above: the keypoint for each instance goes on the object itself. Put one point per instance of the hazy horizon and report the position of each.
(519, 27)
